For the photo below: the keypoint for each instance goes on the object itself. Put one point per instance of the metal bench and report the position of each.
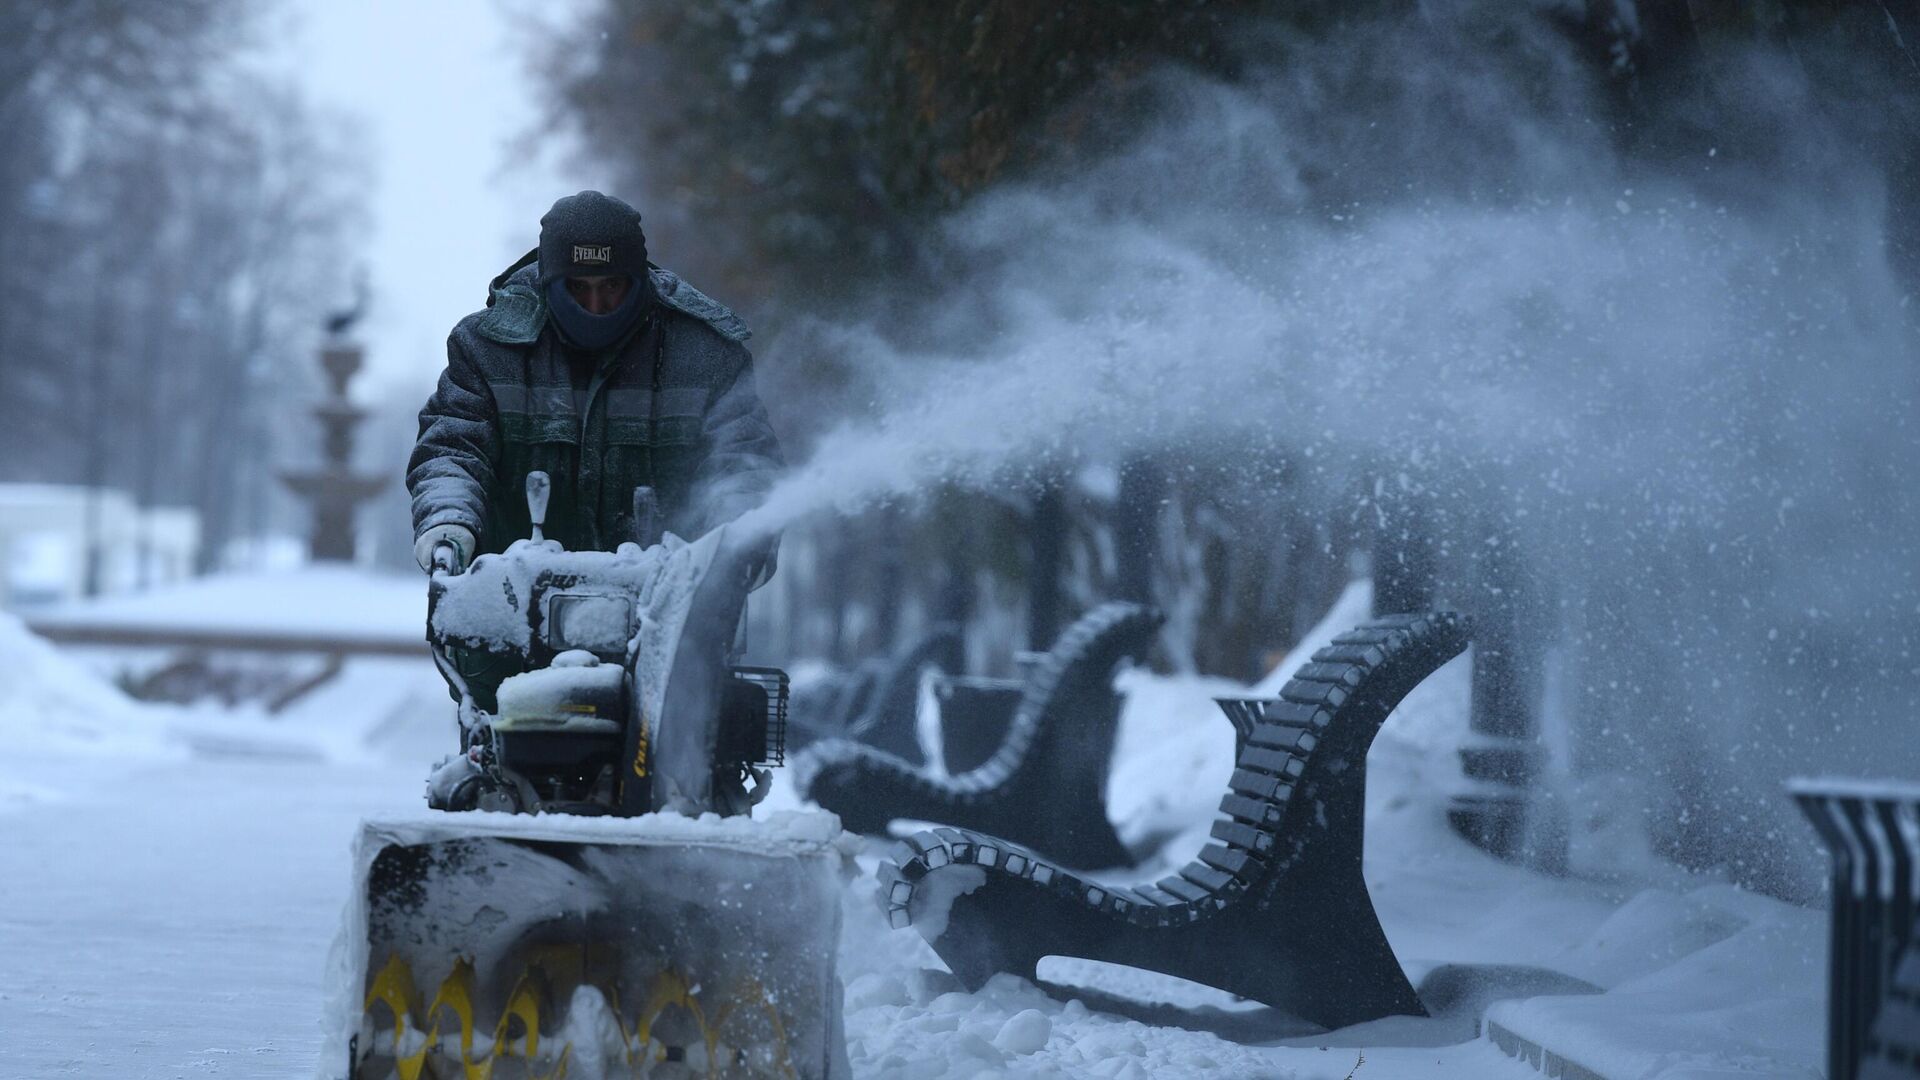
(1046, 785)
(875, 702)
(1275, 909)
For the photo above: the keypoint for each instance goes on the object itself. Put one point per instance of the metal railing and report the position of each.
(1871, 830)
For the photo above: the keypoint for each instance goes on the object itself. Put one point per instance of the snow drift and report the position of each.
(50, 704)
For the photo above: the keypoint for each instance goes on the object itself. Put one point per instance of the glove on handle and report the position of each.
(646, 516)
(444, 547)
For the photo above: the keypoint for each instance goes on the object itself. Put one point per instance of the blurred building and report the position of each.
(48, 530)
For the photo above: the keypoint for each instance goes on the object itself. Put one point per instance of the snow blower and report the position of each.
(587, 895)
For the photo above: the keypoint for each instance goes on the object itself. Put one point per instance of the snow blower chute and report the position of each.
(559, 910)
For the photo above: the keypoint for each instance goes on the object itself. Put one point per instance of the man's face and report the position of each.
(599, 294)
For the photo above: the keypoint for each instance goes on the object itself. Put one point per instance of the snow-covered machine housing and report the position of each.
(592, 651)
(519, 946)
(586, 895)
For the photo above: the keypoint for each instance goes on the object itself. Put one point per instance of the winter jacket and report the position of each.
(690, 426)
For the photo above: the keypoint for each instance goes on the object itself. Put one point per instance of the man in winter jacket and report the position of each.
(606, 373)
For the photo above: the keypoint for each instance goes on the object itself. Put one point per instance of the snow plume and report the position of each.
(1683, 381)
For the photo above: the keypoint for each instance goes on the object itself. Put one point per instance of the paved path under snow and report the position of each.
(177, 925)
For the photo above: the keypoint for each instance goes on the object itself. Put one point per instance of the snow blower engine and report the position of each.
(595, 682)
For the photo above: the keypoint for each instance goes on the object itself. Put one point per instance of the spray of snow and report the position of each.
(1684, 387)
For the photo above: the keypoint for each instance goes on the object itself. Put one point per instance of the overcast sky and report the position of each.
(440, 91)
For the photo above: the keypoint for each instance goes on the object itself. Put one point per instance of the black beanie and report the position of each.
(590, 234)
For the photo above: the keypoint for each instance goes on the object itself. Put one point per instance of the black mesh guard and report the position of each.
(754, 719)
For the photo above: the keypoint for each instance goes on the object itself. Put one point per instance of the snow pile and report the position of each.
(65, 730)
(50, 704)
(921, 1024)
(1655, 928)
(908, 1017)
(1751, 1001)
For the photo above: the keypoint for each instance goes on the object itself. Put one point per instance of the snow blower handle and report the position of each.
(646, 516)
(538, 488)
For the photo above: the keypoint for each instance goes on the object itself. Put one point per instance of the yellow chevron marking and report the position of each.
(640, 752)
(668, 991)
(751, 993)
(393, 987)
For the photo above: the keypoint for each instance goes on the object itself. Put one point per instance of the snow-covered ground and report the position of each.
(172, 879)
(317, 601)
(167, 896)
